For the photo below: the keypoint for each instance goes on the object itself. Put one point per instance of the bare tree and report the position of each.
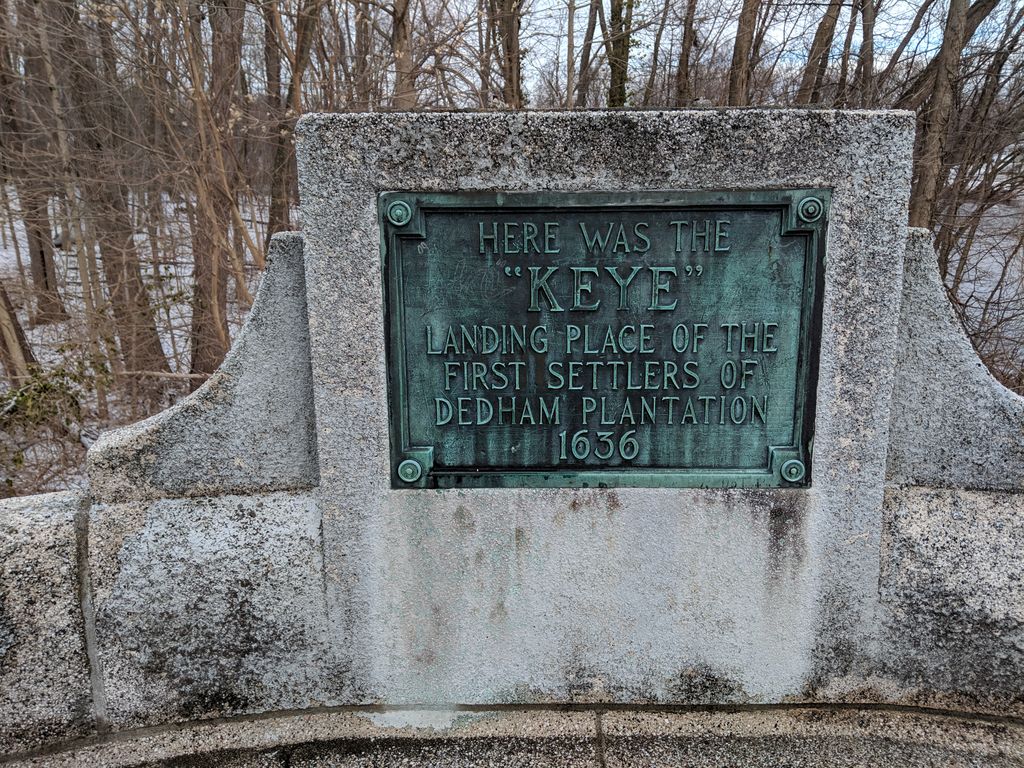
(933, 119)
(587, 56)
(15, 354)
(684, 83)
(620, 32)
(404, 95)
(739, 72)
(817, 61)
(97, 124)
(505, 20)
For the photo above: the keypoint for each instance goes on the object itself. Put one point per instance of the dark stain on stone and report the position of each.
(7, 635)
(612, 501)
(463, 519)
(223, 645)
(207, 666)
(579, 680)
(835, 652)
(499, 612)
(427, 657)
(786, 534)
(522, 540)
(941, 646)
(702, 685)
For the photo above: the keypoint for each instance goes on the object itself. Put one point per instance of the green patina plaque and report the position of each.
(602, 340)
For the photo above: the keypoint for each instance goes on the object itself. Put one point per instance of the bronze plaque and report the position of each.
(601, 340)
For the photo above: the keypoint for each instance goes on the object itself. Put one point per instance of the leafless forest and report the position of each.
(146, 154)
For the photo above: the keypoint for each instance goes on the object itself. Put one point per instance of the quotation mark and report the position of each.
(518, 271)
(698, 270)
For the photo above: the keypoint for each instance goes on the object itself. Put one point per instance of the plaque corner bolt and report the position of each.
(410, 470)
(399, 213)
(793, 471)
(810, 209)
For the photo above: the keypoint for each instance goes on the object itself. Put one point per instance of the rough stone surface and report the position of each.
(807, 738)
(248, 428)
(953, 424)
(315, 736)
(45, 693)
(634, 594)
(528, 599)
(774, 737)
(953, 589)
(439, 739)
(206, 607)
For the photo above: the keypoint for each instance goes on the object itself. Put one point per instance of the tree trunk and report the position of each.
(35, 217)
(106, 198)
(212, 248)
(894, 59)
(922, 86)
(279, 217)
(866, 60)
(507, 22)
(284, 171)
(844, 62)
(652, 76)
(739, 72)
(586, 65)
(15, 353)
(684, 84)
(933, 119)
(133, 315)
(363, 50)
(817, 61)
(619, 34)
(404, 95)
(570, 56)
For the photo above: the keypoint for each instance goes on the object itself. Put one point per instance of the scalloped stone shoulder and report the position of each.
(249, 428)
(953, 425)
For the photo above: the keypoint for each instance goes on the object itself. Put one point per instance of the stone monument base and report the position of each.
(244, 584)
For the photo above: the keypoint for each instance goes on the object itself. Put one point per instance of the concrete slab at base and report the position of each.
(814, 737)
(781, 736)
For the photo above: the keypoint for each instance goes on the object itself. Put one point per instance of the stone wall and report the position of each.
(242, 583)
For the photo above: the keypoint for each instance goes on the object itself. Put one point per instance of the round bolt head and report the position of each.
(810, 209)
(410, 470)
(793, 470)
(399, 213)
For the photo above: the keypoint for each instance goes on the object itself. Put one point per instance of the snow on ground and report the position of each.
(167, 273)
(52, 463)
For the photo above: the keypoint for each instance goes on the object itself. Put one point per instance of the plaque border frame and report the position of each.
(400, 214)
